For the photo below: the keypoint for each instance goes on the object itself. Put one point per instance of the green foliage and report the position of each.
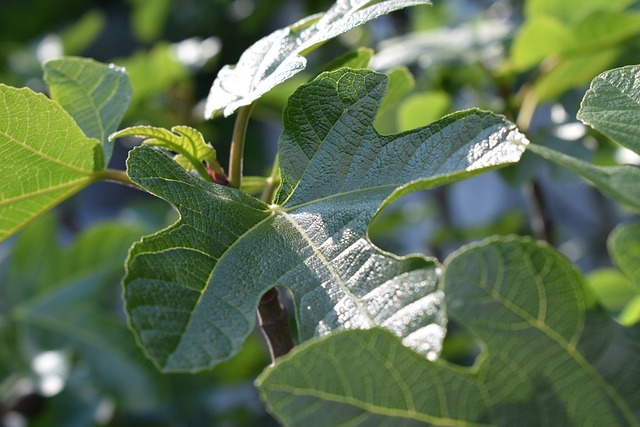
(315, 232)
(278, 56)
(95, 95)
(570, 44)
(617, 182)
(549, 353)
(189, 144)
(612, 106)
(65, 303)
(50, 157)
(369, 324)
(624, 245)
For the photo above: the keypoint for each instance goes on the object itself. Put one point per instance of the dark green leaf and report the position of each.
(550, 356)
(192, 290)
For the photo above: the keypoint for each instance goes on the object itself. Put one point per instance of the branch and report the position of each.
(275, 324)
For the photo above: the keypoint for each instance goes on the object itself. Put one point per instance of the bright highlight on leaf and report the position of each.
(279, 56)
(549, 353)
(45, 157)
(192, 289)
(187, 142)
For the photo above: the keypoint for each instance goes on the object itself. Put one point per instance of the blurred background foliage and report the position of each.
(66, 356)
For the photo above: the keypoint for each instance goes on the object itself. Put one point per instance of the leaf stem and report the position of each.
(540, 221)
(237, 146)
(273, 181)
(115, 175)
(275, 324)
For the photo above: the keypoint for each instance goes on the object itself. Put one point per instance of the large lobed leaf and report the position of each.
(192, 289)
(45, 157)
(278, 56)
(612, 105)
(96, 95)
(551, 356)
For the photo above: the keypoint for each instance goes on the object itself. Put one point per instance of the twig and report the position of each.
(275, 324)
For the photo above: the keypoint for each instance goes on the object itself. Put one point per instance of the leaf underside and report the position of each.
(278, 56)
(45, 157)
(551, 356)
(96, 95)
(612, 106)
(192, 289)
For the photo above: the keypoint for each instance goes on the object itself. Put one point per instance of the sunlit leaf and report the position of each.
(184, 140)
(45, 157)
(278, 56)
(612, 105)
(551, 356)
(192, 289)
(96, 95)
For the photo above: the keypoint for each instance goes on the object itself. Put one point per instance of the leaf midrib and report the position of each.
(76, 81)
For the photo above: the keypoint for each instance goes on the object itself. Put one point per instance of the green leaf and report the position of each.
(613, 289)
(550, 356)
(148, 18)
(422, 109)
(612, 106)
(65, 303)
(192, 289)
(624, 247)
(78, 37)
(631, 313)
(617, 182)
(539, 38)
(45, 157)
(96, 95)
(573, 71)
(184, 140)
(401, 82)
(358, 58)
(571, 11)
(278, 56)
